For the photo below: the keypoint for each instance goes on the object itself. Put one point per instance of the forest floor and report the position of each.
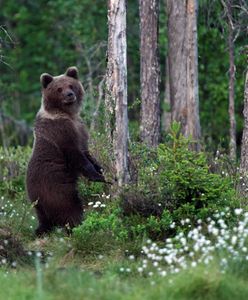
(112, 276)
(209, 262)
(51, 268)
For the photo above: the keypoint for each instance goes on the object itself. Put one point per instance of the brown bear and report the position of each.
(60, 154)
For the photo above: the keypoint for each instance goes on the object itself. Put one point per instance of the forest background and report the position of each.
(49, 36)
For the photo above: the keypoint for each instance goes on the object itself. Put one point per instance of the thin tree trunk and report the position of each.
(183, 66)
(166, 115)
(116, 83)
(232, 144)
(149, 72)
(244, 146)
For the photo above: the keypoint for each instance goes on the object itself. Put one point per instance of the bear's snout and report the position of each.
(70, 97)
(70, 94)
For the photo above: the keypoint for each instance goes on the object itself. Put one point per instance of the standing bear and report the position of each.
(60, 153)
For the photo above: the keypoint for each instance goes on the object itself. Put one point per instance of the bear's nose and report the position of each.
(70, 94)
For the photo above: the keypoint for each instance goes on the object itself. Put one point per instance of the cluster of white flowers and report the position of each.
(96, 204)
(198, 246)
(105, 196)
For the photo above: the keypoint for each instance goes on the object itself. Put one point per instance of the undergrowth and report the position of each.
(131, 244)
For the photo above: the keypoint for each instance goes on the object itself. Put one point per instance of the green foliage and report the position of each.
(174, 183)
(15, 210)
(214, 75)
(91, 191)
(110, 239)
(171, 183)
(101, 231)
(186, 175)
(63, 33)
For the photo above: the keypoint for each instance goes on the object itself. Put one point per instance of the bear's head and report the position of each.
(62, 94)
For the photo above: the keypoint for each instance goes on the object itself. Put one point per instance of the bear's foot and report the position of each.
(41, 230)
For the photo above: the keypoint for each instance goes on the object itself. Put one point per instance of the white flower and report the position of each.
(14, 263)
(38, 254)
(215, 231)
(234, 239)
(238, 211)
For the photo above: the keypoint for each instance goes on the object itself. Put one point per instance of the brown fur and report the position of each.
(60, 154)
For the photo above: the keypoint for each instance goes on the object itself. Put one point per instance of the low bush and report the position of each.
(173, 183)
(101, 230)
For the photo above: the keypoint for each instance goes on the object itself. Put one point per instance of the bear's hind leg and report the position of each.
(43, 229)
(45, 225)
(74, 219)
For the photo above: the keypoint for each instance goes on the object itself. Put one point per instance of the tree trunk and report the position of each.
(166, 115)
(232, 144)
(244, 146)
(183, 66)
(116, 83)
(149, 72)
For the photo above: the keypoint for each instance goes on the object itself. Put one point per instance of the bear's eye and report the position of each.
(59, 90)
(70, 86)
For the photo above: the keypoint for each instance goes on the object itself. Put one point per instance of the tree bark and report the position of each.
(116, 84)
(244, 145)
(232, 144)
(183, 66)
(149, 72)
(166, 115)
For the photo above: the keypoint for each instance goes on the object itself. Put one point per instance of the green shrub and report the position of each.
(100, 231)
(176, 182)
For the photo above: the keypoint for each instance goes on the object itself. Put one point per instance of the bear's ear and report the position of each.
(72, 72)
(45, 79)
